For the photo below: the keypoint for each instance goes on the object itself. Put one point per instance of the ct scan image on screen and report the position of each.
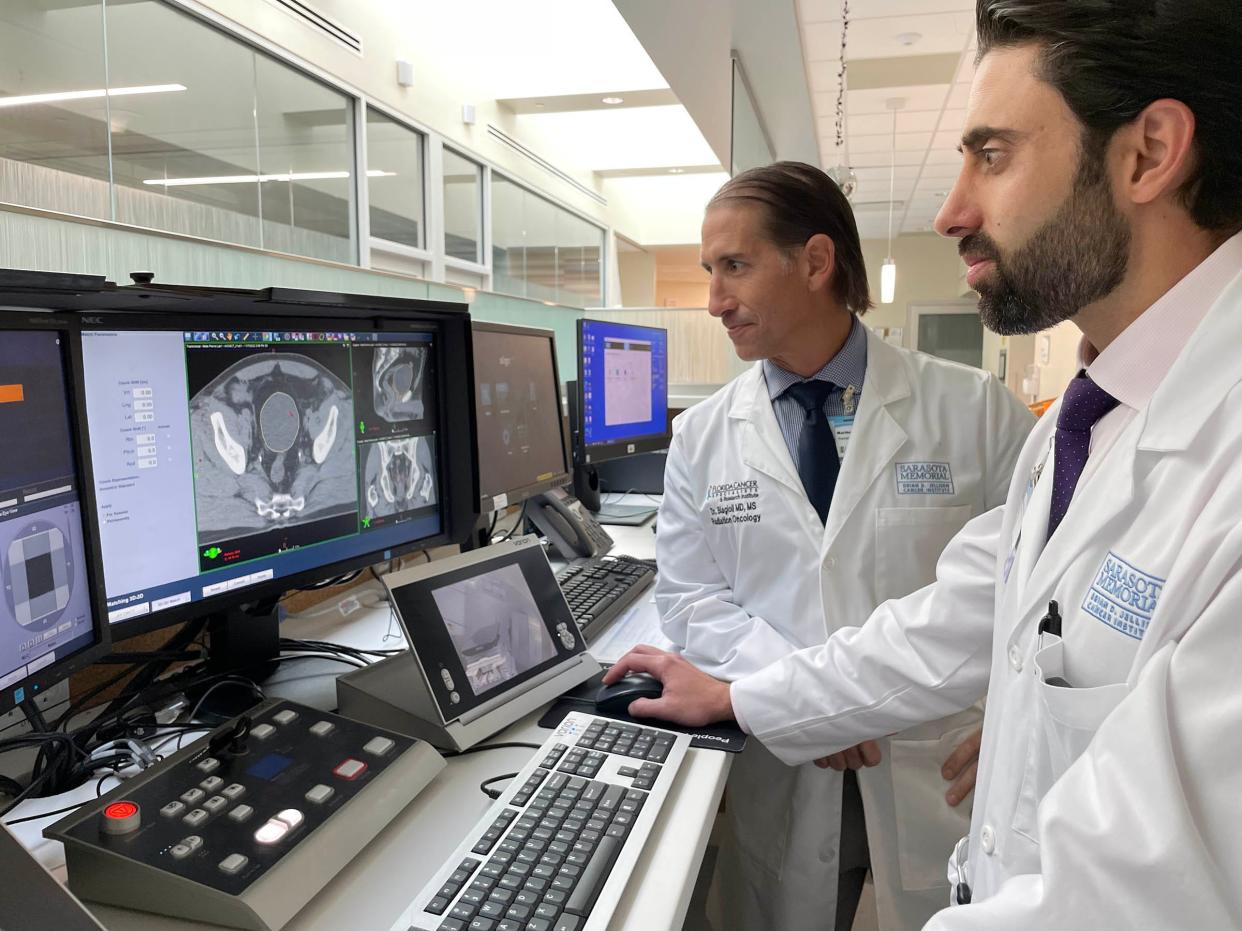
(272, 447)
(390, 388)
(495, 625)
(398, 477)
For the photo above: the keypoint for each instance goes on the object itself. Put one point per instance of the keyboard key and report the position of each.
(584, 894)
(452, 924)
(437, 905)
(567, 923)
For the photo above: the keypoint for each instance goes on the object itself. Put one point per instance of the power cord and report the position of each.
(494, 794)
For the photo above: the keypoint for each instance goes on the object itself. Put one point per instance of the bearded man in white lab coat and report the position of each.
(1102, 605)
(768, 542)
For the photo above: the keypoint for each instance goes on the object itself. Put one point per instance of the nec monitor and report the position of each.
(622, 390)
(523, 448)
(238, 456)
(50, 617)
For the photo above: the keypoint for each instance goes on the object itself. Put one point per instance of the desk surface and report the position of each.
(375, 891)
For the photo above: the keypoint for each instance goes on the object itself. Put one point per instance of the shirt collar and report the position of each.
(847, 367)
(1137, 361)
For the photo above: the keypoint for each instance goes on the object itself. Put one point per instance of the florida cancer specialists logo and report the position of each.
(1123, 597)
(733, 502)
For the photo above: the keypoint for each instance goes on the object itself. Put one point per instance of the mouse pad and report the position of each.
(727, 737)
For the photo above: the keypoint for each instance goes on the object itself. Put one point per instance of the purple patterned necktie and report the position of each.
(1084, 404)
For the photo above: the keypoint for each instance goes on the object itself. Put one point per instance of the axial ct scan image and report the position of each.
(397, 382)
(398, 475)
(272, 443)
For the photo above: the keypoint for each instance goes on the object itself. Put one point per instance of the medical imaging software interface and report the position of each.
(225, 459)
(45, 612)
(518, 406)
(495, 625)
(624, 382)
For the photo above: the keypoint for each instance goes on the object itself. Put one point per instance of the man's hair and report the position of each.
(1110, 59)
(798, 201)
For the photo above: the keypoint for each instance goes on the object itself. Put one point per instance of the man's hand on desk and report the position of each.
(691, 697)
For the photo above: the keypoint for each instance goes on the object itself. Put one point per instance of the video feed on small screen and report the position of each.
(495, 625)
(272, 447)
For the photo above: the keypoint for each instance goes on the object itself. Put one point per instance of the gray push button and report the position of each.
(378, 746)
(193, 796)
(209, 765)
(234, 792)
(262, 731)
(196, 817)
(172, 809)
(211, 784)
(320, 794)
(234, 863)
(216, 804)
(241, 813)
(323, 728)
(285, 717)
(180, 851)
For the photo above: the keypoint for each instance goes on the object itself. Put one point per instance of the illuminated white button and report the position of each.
(241, 813)
(323, 728)
(292, 817)
(1015, 658)
(211, 784)
(262, 731)
(233, 863)
(172, 809)
(234, 792)
(350, 769)
(216, 804)
(272, 832)
(196, 817)
(285, 717)
(209, 765)
(320, 794)
(193, 796)
(193, 841)
(987, 840)
(378, 746)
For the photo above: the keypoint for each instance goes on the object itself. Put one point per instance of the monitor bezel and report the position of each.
(498, 502)
(459, 493)
(586, 455)
(43, 679)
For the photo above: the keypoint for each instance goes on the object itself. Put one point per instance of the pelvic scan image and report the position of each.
(495, 627)
(38, 572)
(273, 446)
(397, 382)
(398, 475)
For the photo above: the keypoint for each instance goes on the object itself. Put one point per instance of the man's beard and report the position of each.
(1076, 258)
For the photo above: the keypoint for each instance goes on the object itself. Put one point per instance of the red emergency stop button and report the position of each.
(121, 818)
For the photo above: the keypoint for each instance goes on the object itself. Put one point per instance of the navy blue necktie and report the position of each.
(1084, 404)
(817, 460)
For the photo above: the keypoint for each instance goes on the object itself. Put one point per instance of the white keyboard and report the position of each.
(555, 851)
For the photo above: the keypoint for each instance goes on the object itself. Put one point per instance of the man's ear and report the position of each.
(819, 256)
(1156, 151)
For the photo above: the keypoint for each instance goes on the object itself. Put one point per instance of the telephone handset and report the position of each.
(568, 525)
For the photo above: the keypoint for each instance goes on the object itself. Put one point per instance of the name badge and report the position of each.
(842, 429)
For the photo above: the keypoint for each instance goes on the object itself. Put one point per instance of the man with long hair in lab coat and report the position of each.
(821, 482)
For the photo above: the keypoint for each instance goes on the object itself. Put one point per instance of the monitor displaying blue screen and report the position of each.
(624, 390)
(227, 459)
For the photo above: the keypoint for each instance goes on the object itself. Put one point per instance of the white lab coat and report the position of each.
(748, 575)
(1117, 803)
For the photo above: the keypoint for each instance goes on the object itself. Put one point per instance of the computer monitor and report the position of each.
(523, 446)
(238, 454)
(51, 622)
(622, 390)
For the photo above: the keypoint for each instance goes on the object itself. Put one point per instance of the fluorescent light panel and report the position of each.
(254, 179)
(23, 100)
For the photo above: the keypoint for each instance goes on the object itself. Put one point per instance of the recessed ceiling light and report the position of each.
(613, 101)
(676, 171)
(909, 38)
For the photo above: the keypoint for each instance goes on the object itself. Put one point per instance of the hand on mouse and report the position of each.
(691, 697)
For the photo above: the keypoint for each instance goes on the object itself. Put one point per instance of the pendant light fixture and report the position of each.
(888, 271)
(842, 173)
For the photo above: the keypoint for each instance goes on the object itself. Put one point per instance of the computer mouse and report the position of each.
(616, 698)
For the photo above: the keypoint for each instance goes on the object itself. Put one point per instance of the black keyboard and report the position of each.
(599, 589)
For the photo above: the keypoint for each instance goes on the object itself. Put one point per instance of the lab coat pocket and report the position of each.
(927, 826)
(761, 800)
(908, 541)
(1064, 722)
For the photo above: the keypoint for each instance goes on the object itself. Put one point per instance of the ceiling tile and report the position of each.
(917, 97)
(906, 142)
(959, 96)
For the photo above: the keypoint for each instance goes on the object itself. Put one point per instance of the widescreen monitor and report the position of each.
(523, 448)
(238, 456)
(622, 390)
(50, 616)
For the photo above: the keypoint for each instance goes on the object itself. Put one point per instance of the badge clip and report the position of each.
(847, 399)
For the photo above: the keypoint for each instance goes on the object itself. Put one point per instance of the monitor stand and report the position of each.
(242, 641)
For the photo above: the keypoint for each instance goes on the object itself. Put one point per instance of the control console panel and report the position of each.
(243, 827)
